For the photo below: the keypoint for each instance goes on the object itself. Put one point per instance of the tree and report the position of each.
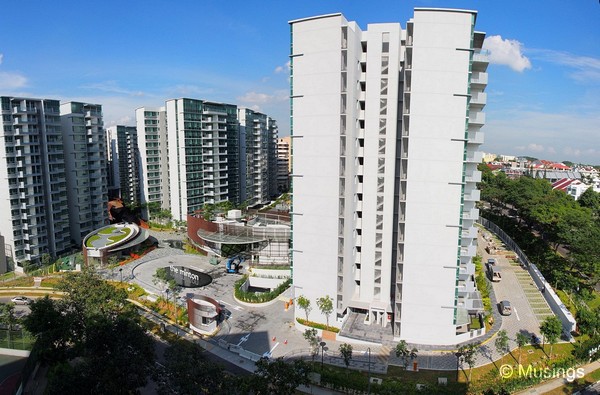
(346, 353)
(403, 352)
(8, 317)
(186, 370)
(501, 342)
(325, 305)
(91, 337)
(522, 339)
(304, 303)
(468, 352)
(588, 321)
(551, 328)
(311, 336)
(279, 377)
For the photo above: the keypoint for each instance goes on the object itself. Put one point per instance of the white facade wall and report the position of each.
(316, 157)
(385, 127)
(151, 125)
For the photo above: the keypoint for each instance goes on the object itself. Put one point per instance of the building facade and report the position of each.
(84, 144)
(124, 162)
(196, 152)
(284, 163)
(35, 213)
(153, 156)
(200, 135)
(258, 158)
(387, 231)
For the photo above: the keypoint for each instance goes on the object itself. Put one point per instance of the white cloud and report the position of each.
(11, 81)
(283, 69)
(255, 97)
(506, 52)
(586, 68)
(551, 136)
(112, 87)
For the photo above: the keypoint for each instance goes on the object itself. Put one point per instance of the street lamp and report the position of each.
(458, 355)
(121, 271)
(322, 344)
(369, 387)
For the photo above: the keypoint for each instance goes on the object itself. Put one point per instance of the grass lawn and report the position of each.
(594, 303)
(19, 282)
(91, 239)
(536, 356)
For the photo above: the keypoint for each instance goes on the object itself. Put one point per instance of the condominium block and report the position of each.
(386, 128)
(154, 156)
(84, 144)
(284, 163)
(124, 159)
(200, 135)
(34, 219)
(258, 168)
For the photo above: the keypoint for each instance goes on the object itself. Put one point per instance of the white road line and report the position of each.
(517, 314)
(269, 353)
(243, 339)
(235, 307)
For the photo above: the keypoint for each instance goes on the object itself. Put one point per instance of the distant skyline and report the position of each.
(544, 73)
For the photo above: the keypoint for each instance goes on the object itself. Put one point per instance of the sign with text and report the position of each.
(188, 278)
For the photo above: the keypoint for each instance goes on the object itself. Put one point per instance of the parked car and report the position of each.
(491, 261)
(20, 300)
(494, 273)
(505, 308)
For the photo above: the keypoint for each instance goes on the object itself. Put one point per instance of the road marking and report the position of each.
(517, 314)
(235, 307)
(269, 353)
(243, 339)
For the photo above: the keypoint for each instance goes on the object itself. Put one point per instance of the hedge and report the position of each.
(262, 297)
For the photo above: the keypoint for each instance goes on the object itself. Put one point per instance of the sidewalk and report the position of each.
(557, 383)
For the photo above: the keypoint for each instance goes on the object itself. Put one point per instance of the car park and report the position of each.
(20, 300)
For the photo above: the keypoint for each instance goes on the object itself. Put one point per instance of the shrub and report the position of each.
(317, 325)
(262, 297)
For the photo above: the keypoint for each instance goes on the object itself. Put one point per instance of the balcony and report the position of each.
(476, 118)
(478, 99)
(475, 137)
(479, 78)
(475, 157)
(474, 196)
(474, 176)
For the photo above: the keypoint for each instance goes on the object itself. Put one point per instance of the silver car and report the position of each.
(20, 300)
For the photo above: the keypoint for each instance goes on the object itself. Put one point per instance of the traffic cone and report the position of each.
(285, 342)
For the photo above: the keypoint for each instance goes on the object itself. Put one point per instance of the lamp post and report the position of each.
(322, 344)
(458, 355)
(121, 272)
(167, 291)
(369, 386)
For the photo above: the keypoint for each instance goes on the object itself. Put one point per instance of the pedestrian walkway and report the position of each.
(557, 383)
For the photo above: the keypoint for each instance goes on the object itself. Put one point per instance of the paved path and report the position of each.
(557, 383)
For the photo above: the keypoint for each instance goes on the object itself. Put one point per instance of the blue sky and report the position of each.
(544, 76)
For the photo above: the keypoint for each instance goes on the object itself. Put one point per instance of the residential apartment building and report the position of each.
(388, 233)
(200, 135)
(153, 156)
(258, 160)
(84, 145)
(194, 152)
(284, 163)
(124, 162)
(35, 217)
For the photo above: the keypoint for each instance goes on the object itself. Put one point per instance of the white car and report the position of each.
(20, 300)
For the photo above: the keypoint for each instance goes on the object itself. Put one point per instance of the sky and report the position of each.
(544, 73)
